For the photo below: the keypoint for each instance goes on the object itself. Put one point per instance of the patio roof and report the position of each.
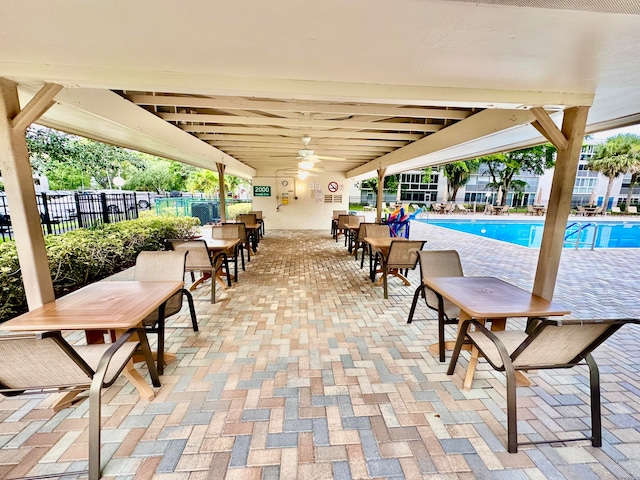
(375, 84)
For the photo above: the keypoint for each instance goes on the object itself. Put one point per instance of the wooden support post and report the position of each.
(18, 182)
(381, 172)
(573, 126)
(223, 194)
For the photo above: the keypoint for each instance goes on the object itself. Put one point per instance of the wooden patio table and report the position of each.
(489, 298)
(114, 306)
(382, 245)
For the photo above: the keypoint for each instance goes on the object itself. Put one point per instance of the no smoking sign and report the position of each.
(333, 187)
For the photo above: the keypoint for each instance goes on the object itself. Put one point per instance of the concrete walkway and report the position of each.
(304, 371)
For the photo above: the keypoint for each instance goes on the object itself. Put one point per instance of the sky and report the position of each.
(610, 133)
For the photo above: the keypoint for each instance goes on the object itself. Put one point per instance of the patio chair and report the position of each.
(233, 231)
(438, 263)
(46, 363)
(461, 208)
(334, 221)
(530, 210)
(616, 211)
(373, 230)
(359, 242)
(199, 260)
(259, 219)
(253, 236)
(402, 256)
(158, 266)
(488, 209)
(341, 227)
(632, 210)
(580, 211)
(546, 344)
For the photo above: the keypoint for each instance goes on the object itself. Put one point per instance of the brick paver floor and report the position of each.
(304, 371)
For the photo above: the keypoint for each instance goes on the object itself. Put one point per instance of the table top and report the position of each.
(102, 305)
(220, 244)
(490, 297)
(383, 242)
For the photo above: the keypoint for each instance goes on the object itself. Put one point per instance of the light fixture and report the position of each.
(305, 152)
(302, 174)
(306, 164)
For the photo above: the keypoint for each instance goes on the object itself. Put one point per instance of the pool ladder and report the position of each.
(577, 231)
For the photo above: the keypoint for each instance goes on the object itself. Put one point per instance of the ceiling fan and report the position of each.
(308, 158)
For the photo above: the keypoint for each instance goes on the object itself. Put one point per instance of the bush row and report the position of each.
(83, 256)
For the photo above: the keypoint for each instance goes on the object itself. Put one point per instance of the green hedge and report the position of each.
(84, 256)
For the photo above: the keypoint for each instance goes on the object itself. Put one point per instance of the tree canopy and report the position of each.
(71, 162)
(620, 154)
(457, 174)
(503, 167)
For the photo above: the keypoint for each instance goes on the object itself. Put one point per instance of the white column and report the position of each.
(25, 217)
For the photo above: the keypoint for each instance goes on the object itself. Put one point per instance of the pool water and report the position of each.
(609, 234)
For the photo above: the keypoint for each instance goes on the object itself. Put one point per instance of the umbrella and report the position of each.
(539, 197)
(592, 198)
(499, 200)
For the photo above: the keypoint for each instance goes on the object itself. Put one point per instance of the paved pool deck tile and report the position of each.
(303, 370)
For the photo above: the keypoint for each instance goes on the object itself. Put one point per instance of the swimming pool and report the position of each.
(609, 234)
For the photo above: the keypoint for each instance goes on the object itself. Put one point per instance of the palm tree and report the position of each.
(457, 174)
(620, 154)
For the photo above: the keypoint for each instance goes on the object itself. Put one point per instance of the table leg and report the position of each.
(496, 324)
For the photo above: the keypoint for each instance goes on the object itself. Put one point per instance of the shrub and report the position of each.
(84, 256)
(235, 209)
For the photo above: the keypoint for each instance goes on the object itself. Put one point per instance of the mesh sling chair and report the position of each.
(158, 266)
(232, 231)
(253, 236)
(349, 237)
(359, 242)
(199, 260)
(438, 263)
(246, 240)
(46, 363)
(402, 256)
(373, 230)
(546, 344)
(334, 220)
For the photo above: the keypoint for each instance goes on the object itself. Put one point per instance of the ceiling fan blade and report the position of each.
(323, 157)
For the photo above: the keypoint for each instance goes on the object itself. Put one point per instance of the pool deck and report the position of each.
(304, 371)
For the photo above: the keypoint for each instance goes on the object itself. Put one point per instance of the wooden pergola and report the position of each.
(464, 79)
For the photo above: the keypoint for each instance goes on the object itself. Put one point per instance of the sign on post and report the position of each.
(261, 191)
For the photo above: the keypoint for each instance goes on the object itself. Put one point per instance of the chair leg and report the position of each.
(414, 303)
(596, 418)
(512, 411)
(160, 353)
(95, 410)
(192, 309)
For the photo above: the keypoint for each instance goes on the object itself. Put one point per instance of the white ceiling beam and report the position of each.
(300, 123)
(274, 140)
(40, 103)
(487, 122)
(544, 124)
(298, 133)
(298, 106)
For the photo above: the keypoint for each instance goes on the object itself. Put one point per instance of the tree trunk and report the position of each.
(632, 183)
(606, 196)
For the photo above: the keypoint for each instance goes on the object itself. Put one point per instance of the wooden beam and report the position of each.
(223, 197)
(555, 224)
(548, 129)
(380, 195)
(25, 217)
(272, 139)
(40, 103)
(300, 123)
(299, 106)
(286, 132)
(481, 124)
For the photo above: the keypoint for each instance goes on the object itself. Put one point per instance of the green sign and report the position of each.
(261, 191)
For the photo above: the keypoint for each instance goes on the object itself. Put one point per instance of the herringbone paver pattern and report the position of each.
(303, 370)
